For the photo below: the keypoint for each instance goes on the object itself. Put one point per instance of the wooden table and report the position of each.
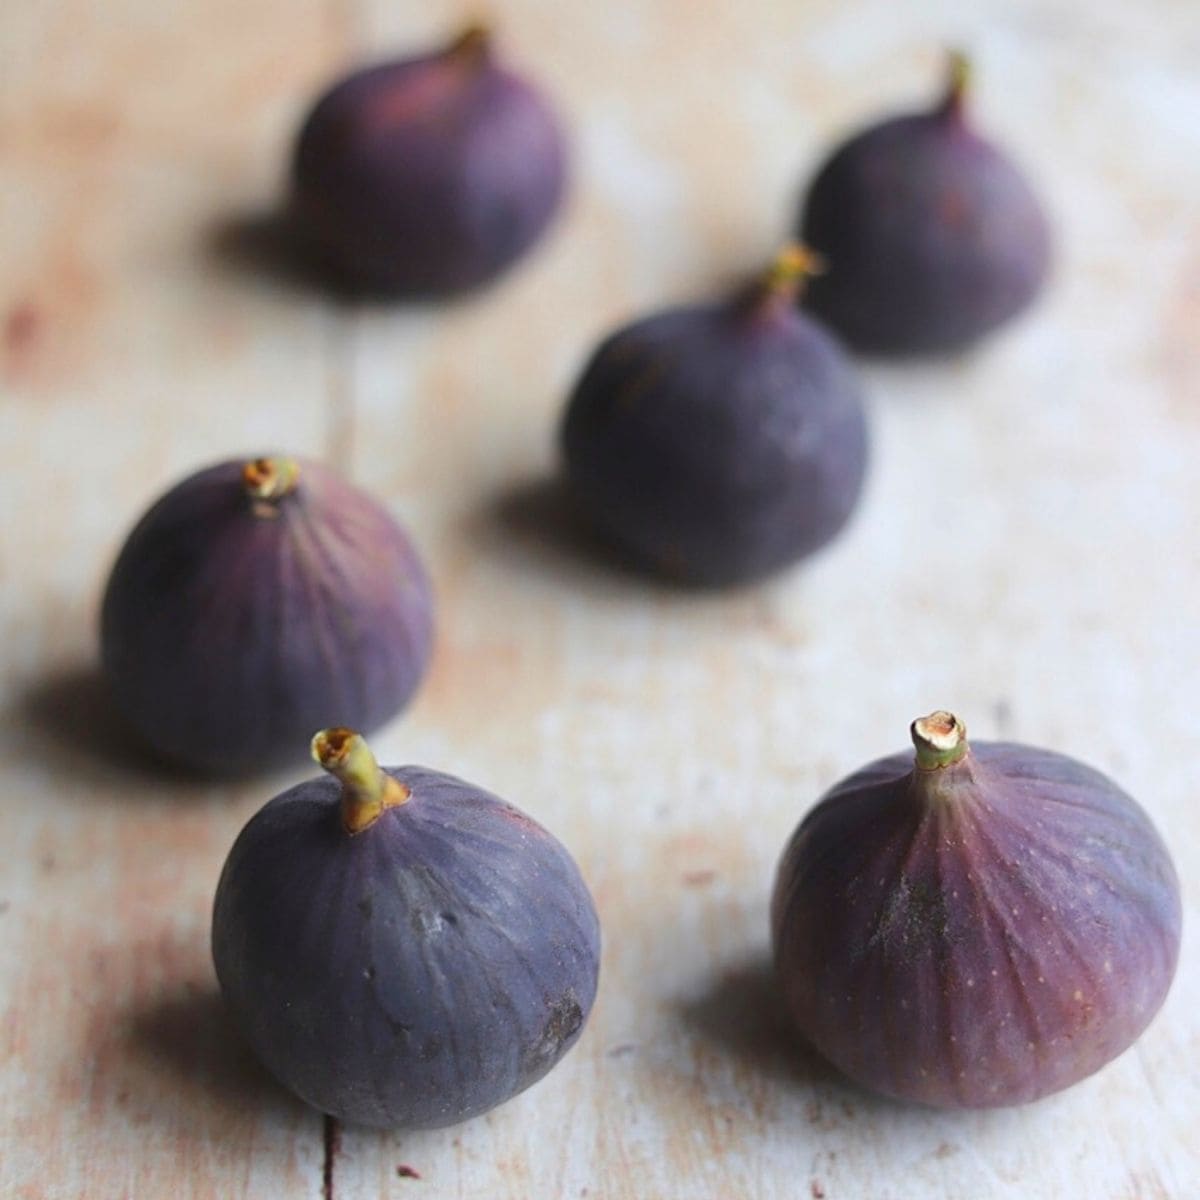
(1027, 553)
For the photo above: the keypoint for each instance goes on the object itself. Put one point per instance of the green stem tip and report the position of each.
(367, 790)
(792, 266)
(958, 80)
(940, 739)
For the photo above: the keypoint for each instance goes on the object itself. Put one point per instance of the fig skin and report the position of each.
(417, 972)
(234, 623)
(975, 935)
(428, 176)
(717, 444)
(934, 237)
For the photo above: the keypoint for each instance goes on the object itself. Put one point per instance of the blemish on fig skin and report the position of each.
(564, 1021)
(952, 209)
(404, 1171)
(817, 1189)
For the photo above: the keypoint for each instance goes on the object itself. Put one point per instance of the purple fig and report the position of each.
(254, 601)
(401, 948)
(932, 234)
(427, 176)
(977, 928)
(719, 443)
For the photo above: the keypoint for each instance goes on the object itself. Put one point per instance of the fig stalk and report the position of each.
(366, 789)
(940, 739)
(958, 80)
(787, 275)
(270, 478)
(472, 45)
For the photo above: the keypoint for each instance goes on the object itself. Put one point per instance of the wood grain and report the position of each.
(1026, 553)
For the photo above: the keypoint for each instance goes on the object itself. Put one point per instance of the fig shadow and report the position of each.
(263, 245)
(743, 1015)
(539, 519)
(187, 1039)
(260, 245)
(72, 722)
(72, 715)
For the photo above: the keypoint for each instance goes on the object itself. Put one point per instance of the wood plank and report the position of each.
(674, 740)
(136, 349)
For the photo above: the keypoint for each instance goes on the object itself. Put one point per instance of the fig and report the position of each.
(400, 948)
(426, 176)
(980, 927)
(933, 236)
(718, 443)
(254, 601)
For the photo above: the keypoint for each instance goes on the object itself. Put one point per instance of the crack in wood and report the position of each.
(333, 1146)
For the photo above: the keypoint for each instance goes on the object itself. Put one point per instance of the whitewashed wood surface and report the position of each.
(1028, 553)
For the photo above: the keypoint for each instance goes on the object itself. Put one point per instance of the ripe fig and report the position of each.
(427, 176)
(718, 443)
(934, 238)
(977, 928)
(255, 600)
(401, 948)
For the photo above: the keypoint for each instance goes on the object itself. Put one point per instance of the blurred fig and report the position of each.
(400, 948)
(427, 176)
(933, 236)
(977, 928)
(719, 443)
(255, 600)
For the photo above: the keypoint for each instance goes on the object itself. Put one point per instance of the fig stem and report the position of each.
(940, 739)
(787, 274)
(367, 790)
(958, 80)
(270, 478)
(472, 44)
